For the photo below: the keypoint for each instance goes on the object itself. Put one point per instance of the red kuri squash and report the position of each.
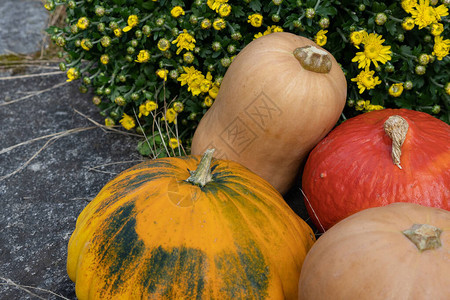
(380, 157)
(158, 231)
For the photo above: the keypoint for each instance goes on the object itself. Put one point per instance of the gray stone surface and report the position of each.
(39, 204)
(21, 25)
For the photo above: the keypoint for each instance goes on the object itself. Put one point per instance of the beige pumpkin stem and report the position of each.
(396, 128)
(424, 236)
(202, 175)
(313, 59)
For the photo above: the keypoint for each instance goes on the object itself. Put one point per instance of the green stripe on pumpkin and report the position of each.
(121, 247)
(177, 271)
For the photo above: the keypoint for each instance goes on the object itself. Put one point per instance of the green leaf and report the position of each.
(391, 27)
(143, 148)
(255, 5)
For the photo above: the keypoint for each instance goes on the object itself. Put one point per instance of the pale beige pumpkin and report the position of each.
(399, 251)
(271, 110)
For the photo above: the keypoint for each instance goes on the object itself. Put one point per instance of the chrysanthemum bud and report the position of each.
(424, 59)
(225, 62)
(231, 49)
(236, 36)
(99, 11)
(380, 18)
(216, 46)
(130, 50)
(310, 13)
(134, 96)
(134, 43)
(60, 41)
(138, 34)
(83, 89)
(96, 100)
(420, 70)
(436, 109)
(120, 100)
(324, 22)
(62, 66)
(113, 25)
(71, 4)
(408, 85)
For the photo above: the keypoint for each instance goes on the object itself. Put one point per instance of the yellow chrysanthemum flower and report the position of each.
(84, 44)
(132, 21)
(361, 104)
(162, 73)
(127, 122)
(321, 38)
(143, 56)
(118, 32)
(109, 122)
(206, 83)
(177, 11)
(356, 37)
(189, 74)
(215, 4)
(104, 59)
(224, 10)
(171, 116)
(396, 89)
(408, 23)
(178, 107)
(213, 91)
(408, 5)
(365, 80)
(72, 74)
(374, 51)
(205, 24)
(174, 143)
(424, 14)
(255, 20)
(441, 47)
(143, 111)
(372, 107)
(441, 11)
(151, 105)
(208, 101)
(437, 29)
(163, 44)
(147, 107)
(184, 41)
(83, 23)
(219, 24)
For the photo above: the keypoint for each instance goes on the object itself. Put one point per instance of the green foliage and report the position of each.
(127, 73)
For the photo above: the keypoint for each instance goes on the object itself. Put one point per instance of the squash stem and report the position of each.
(202, 175)
(396, 128)
(424, 236)
(313, 59)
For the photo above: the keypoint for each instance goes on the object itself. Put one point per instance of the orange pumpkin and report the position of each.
(281, 95)
(380, 157)
(398, 251)
(159, 232)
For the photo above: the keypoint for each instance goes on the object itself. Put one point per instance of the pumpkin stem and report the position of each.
(424, 236)
(396, 128)
(313, 59)
(202, 175)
